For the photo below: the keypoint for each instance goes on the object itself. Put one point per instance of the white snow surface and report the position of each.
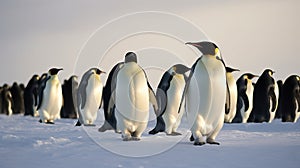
(26, 142)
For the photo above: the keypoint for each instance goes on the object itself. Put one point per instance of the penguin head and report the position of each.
(250, 76)
(97, 71)
(269, 72)
(229, 69)
(179, 69)
(207, 48)
(130, 57)
(54, 71)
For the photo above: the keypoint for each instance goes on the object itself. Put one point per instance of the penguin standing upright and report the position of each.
(231, 95)
(6, 101)
(109, 112)
(31, 96)
(265, 98)
(291, 99)
(69, 90)
(18, 99)
(132, 95)
(89, 97)
(205, 93)
(50, 97)
(245, 98)
(168, 96)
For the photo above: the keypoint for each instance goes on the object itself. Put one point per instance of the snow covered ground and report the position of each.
(26, 142)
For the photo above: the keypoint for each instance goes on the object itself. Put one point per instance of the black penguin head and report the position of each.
(250, 75)
(54, 71)
(97, 71)
(229, 69)
(180, 69)
(268, 72)
(206, 48)
(130, 57)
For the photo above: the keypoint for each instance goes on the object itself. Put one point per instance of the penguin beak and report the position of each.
(194, 44)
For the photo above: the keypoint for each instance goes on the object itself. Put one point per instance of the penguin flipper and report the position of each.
(82, 88)
(41, 91)
(245, 99)
(227, 103)
(78, 123)
(160, 126)
(298, 101)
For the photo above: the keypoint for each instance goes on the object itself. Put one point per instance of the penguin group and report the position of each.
(206, 93)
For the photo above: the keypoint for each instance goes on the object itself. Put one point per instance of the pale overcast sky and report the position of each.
(252, 35)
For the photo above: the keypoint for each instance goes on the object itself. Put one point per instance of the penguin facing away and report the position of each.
(245, 98)
(50, 97)
(69, 90)
(89, 97)
(31, 96)
(231, 95)
(205, 93)
(168, 96)
(18, 98)
(110, 122)
(265, 98)
(291, 99)
(132, 95)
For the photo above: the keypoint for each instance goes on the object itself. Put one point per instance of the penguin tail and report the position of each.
(78, 123)
(153, 132)
(160, 126)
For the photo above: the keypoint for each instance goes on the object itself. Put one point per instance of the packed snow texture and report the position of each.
(26, 142)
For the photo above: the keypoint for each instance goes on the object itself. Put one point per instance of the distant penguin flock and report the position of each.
(206, 93)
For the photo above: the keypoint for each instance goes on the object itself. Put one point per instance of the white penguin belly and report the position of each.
(206, 96)
(249, 93)
(132, 98)
(52, 100)
(171, 116)
(93, 99)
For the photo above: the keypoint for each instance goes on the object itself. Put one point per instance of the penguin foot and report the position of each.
(127, 139)
(174, 134)
(135, 139)
(192, 138)
(212, 142)
(198, 143)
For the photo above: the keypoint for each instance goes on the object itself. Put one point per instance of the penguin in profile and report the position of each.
(6, 100)
(291, 99)
(110, 122)
(231, 95)
(69, 90)
(132, 95)
(168, 96)
(278, 113)
(50, 97)
(245, 98)
(265, 98)
(18, 99)
(205, 93)
(89, 97)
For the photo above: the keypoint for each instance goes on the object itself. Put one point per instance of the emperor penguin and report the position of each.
(69, 90)
(89, 97)
(168, 95)
(18, 98)
(6, 100)
(291, 99)
(231, 95)
(31, 96)
(265, 98)
(245, 98)
(205, 93)
(110, 122)
(132, 95)
(50, 97)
